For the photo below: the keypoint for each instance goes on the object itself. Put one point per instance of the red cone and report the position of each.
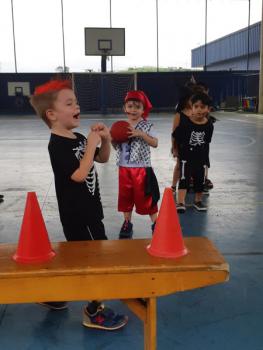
(167, 240)
(34, 245)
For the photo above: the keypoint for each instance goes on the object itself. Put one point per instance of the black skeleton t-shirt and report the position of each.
(193, 139)
(78, 202)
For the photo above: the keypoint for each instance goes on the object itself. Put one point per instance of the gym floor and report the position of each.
(226, 316)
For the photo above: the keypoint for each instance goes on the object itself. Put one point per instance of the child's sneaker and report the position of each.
(180, 207)
(54, 305)
(209, 184)
(103, 318)
(206, 190)
(126, 231)
(200, 206)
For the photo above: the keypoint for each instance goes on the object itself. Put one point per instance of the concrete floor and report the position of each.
(220, 317)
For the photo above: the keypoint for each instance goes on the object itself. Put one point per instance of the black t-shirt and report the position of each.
(78, 202)
(193, 139)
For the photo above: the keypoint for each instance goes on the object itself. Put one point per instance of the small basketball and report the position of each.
(119, 131)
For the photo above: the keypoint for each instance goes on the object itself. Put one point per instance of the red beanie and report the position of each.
(52, 85)
(140, 96)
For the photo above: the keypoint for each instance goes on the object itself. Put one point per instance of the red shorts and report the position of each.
(131, 192)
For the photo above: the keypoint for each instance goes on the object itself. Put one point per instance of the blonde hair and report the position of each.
(41, 103)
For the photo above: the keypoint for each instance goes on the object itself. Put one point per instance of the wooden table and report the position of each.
(114, 269)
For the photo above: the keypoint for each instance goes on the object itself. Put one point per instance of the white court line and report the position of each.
(243, 121)
(251, 142)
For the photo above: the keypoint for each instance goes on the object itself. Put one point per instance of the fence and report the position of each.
(104, 93)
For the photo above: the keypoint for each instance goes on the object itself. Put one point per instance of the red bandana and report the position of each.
(140, 96)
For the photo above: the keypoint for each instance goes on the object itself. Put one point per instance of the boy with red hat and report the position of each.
(72, 158)
(137, 182)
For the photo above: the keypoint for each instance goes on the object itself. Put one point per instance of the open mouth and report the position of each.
(76, 116)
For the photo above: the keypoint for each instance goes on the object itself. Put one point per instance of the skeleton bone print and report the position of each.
(91, 179)
(197, 138)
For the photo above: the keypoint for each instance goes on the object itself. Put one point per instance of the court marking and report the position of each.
(243, 121)
(251, 139)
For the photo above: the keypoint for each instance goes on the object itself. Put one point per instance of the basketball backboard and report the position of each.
(18, 88)
(104, 41)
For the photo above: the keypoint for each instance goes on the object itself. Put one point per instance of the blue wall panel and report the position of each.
(229, 47)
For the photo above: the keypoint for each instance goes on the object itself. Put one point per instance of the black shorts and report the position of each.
(194, 170)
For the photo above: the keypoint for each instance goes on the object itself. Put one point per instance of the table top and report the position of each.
(113, 257)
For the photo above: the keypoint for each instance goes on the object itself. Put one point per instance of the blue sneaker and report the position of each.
(126, 231)
(104, 318)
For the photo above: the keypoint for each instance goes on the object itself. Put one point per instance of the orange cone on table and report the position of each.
(167, 240)
(33, 245)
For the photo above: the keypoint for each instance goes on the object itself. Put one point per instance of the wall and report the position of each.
(104, 93)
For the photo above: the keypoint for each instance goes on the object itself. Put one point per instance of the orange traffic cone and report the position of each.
(167, 240)
(34, 245)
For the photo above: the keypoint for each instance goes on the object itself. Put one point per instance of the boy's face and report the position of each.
(200, 110)
(65, 112)
(134, 110)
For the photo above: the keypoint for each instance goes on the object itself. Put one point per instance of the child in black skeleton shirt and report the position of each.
(192, 136)
(72, 158)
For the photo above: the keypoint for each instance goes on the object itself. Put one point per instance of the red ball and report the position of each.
(120, 131)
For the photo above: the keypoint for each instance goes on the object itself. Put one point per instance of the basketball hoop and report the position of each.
(104, 42)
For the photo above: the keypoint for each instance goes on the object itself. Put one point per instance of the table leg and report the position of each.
(145, 309)
(150, 325)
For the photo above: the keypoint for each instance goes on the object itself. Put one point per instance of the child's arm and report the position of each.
(104, 150)
(152, 141)
(85, 164)
(176, 122)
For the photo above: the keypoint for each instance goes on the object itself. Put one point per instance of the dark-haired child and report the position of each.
(193, 135)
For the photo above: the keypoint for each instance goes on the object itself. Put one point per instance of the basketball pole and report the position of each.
(135, 81)
(111, 61)
(103, 63)
(260, 94)
(63, 37)
(248, 33)
(205, 68)
(14, 38)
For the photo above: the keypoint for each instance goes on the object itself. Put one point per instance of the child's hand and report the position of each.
(102, 130)
(135, 132)
(114, 144)
(174, 150)
(93, 139)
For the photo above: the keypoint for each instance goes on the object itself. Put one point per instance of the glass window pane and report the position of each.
(255, 11)
(38, 31)
(7, 60)
(79, 14)
(38, 35)
(181, 28)
(225, 17)
(138, 17)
